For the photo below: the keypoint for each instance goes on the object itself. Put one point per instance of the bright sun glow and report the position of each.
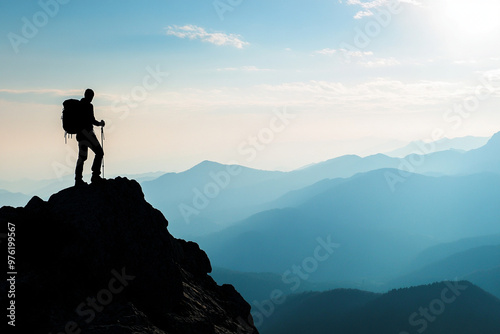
(469, 18)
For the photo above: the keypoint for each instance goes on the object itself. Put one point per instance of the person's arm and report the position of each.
(94, 121)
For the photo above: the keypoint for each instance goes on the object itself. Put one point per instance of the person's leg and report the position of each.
(82, 157)
(99, 155)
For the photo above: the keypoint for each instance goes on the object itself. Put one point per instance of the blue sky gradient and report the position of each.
(227, 77)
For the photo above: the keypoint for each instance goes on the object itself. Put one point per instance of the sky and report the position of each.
(269, 84)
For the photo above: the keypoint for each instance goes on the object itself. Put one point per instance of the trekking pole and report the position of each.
(102, 145)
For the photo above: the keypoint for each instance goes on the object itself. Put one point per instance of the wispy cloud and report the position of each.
(49, 95)
(345, 52)
(369, 6)
(380, 62)
(379, 94)
(356, 54)
(194, 32)
(244, 69)
(54, 92)
(465, 62)
(326, 52)
(363, 58)
(363, 13)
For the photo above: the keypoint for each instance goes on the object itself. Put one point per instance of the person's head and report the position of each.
(89, 94)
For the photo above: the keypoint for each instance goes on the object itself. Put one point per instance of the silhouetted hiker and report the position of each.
(87, 139)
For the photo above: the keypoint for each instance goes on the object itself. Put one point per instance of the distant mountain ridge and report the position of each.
(213, 198)
(380, 231)
(13, 199)
(456, 266)
(446, 307)
(444, 250)
(458, 144)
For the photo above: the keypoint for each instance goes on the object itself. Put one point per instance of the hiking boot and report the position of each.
(96, 179)
(79, 183)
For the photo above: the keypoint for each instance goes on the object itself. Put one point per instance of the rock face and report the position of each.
(99, 259)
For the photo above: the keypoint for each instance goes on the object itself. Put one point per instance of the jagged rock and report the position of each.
(100, 259)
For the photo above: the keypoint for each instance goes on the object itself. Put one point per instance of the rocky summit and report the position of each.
(100, 259)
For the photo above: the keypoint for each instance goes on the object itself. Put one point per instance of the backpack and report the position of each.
(72, 116)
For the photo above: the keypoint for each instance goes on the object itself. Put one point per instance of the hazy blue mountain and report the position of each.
(477, 158)
(203, 198)
(278, 240)
(488, 280)
(344, 167)
(458, 144)
(143, 177)
(447, 307)
(259, 286)
(28, 186)
(312, 312)
(13, 199)
(297, 197)
(209, 196)
(442, 251)
(482, 159)
(456, 266)
(379, 231)
(444, 208)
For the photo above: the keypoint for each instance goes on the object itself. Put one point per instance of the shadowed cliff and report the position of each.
(100, 259)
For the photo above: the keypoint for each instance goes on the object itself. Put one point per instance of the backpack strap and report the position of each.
(66, 134)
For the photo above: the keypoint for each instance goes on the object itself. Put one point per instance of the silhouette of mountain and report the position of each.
(259, 286)
(8, 198)
(442, 251)
(211, 196)
(312, 312)
(458, 144)
(344, 166)
(480, 160)
(100, 258)
(456, 266)
(276, 240)
(380, 231)
(443, 207)
(447, 307)
(487, 280)
(25, 186)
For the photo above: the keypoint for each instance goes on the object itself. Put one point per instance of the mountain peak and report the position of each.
(207, 163)
(495, 139)
(106, 241)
